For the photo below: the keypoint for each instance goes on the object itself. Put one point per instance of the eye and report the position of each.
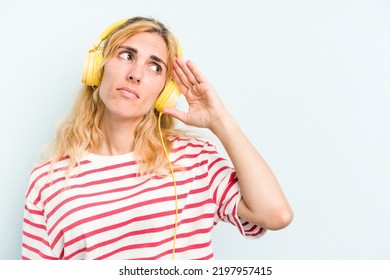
(156, 68)
(126, 55)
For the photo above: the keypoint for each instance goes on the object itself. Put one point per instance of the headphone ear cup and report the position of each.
(92, 62)
(168, 97)
(171, 92)
(88, 68)
(95, 75)
(86, 77)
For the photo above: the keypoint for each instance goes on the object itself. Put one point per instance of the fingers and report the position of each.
(182, 86)
(180, 115)
(183, 74)
(198, 76)
(188, 73)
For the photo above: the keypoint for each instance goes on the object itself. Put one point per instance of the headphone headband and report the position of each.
(108, 31)
(95, 55)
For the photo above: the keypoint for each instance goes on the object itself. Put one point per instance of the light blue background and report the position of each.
(309, 82)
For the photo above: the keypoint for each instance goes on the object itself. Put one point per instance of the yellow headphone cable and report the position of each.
(174, 186)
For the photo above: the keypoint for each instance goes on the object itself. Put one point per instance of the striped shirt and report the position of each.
(106, 210)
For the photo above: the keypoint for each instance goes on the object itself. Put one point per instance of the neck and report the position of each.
(118, 136)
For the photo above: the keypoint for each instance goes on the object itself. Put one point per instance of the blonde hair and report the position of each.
(79, 132)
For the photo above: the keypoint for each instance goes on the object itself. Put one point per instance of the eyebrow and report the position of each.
(153, 57)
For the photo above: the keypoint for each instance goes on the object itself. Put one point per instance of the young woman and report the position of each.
(122, 183)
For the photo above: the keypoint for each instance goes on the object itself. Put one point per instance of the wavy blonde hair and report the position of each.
(79, 132)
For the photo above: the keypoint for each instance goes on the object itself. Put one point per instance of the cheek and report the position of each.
(104, 89)
(105, 81)
(160, 87)
(155, 88)
(110, 77)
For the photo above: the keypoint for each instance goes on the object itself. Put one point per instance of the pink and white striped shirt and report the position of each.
(107, 211)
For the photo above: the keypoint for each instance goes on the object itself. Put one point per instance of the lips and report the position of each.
(129, 93)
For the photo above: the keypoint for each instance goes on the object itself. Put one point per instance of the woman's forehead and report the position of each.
(148, 42)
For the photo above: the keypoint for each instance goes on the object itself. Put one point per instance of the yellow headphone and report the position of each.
(167, 98)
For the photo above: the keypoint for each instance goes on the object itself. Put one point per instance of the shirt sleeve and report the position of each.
(35, 244)
(225, 191)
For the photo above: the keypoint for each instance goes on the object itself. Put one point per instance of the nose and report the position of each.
(134, 79)
(135, 74)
